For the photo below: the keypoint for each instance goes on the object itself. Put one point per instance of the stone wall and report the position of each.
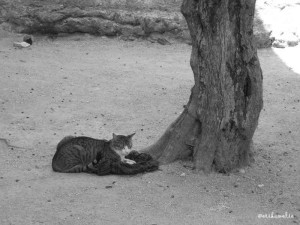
(130, 19)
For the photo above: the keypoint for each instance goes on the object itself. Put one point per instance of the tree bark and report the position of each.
(218, 123)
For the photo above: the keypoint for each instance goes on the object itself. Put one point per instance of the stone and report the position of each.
(277, 44)
(242, 171)
(263, 39)
(21, 44)
(292, 43)
(28, 39)
(163, 41)
(127, 38)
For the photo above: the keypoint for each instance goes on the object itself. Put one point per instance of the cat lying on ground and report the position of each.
(102, 157)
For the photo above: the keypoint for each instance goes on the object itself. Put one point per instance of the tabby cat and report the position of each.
(79, 154)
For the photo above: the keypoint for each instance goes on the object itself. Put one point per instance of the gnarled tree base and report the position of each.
(183, 139)
(178, 141)
(219, 121)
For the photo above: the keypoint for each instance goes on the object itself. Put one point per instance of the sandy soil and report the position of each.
(91, 86)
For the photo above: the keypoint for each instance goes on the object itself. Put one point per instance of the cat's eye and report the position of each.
(119, 146)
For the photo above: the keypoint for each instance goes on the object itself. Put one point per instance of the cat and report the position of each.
(78, 154)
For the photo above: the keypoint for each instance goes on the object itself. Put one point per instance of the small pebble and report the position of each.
(260, 185)
(182, 175)
(242, 171)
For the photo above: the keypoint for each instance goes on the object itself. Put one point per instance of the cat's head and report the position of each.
(122, 143)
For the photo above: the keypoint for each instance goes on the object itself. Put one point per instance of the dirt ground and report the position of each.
(84, 85)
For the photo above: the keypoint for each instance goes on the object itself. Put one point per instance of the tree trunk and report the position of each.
(218, 123)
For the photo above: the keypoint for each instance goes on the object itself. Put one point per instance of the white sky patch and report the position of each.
(290, 56)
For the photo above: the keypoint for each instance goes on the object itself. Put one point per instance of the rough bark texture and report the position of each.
(219, 121)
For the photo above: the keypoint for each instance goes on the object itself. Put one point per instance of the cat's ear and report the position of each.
(131, 135)
(114, 136)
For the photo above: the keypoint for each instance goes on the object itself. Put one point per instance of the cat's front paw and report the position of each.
(129, 161)
(92, 165)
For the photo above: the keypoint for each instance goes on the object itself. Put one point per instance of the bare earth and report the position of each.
(84, 85)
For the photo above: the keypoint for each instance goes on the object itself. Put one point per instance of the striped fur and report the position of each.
(75, 154)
